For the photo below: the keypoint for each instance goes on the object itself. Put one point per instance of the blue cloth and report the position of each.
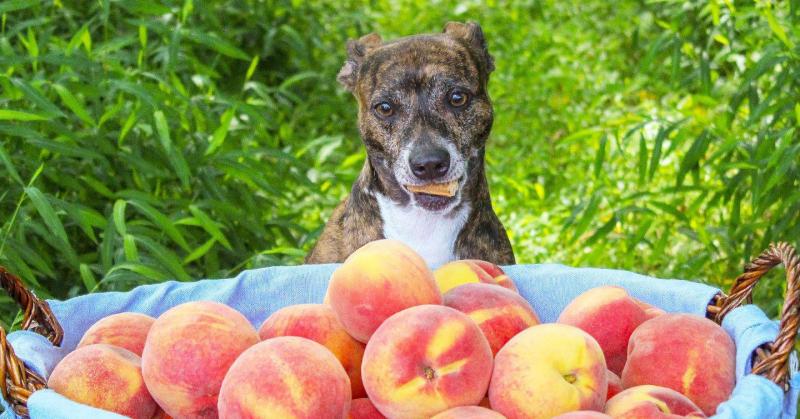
(258, 293)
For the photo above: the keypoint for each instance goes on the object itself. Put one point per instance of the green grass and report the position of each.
(148, 140)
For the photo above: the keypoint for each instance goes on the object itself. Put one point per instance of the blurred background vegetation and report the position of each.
(147, 140)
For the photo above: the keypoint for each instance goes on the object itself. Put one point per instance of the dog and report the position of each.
(424, 116)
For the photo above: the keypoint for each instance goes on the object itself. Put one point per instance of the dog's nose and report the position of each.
(430, 164)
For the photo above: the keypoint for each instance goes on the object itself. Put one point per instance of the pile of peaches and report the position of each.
(394, 339)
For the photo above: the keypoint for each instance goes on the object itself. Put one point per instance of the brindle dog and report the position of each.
(424, 115)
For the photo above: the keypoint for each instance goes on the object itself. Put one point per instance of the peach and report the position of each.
(188, 352)
(318, 322)
(125, 330)
(285, 377)
(469, 412)
(614, 385)
(106, 377)
(460, 272)
(583, 414)
(161, 414)
(689, 354)
(547, 370)
(651, 402)
(376, 281)
(649, 310)
(610, 315)
(500, 313)
(425, 360)
(363, 409)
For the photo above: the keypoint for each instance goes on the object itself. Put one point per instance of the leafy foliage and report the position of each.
(149, 140)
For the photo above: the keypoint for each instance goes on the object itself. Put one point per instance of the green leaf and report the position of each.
(36, 97)
(221, 132)
(200, 251)
(209, 226)
(11, 115)
(47, 212)
(175, 157)
(165, 257)
(251, 69)
(161, 221)
(88, 278)
(693, 156)
(601, 154)
(215, 42)
(776, 27)
(12, 171)
(139, 268)
(14, 5)
(52, 222)
(74, 104)
(119, 216)
(131, 252)
(655, 159)
(642, 159)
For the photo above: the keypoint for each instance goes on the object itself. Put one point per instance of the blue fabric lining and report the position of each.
(260, 292)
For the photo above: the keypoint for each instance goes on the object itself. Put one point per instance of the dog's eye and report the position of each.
(384, 109)
(458, 99)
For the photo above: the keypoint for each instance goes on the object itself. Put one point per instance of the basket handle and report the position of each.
(17, 381)
(772, 359)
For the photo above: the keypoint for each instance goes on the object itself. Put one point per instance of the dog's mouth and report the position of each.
(434, 196)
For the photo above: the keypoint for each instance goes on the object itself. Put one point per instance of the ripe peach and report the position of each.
(188, 351)
(285, 377)
(547, 370)
(106, 377)
(651, 402)
(425, 360)
(466, 271)
(318, 322)
(125, 330)
(689, 354)
(469, 412)
(161, 414)
(363, 409)
(583, 414)
(610, 315)
(376, 281)
(649, 310)
(500, 313)
(614, 384)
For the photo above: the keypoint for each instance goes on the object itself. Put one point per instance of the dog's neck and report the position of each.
(431, 234)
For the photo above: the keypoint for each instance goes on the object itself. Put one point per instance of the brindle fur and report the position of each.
(415, 73)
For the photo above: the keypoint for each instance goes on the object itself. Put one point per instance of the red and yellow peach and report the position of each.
(547, 370)
(468, 271)
(285, 377)
(106, 377)
(499, 313)
(610, 316)
(188, 352)
(689, 354)
(425, 360)
(376, 281)
(318, 322)
(125, 330)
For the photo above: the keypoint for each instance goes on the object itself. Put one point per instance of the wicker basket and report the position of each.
(17, 382)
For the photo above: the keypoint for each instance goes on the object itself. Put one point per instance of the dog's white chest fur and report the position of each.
(430, 234)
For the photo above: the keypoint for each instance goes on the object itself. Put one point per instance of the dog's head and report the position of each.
(424, 112)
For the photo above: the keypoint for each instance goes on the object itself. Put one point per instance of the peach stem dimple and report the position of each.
(429, 372)
(570, 378)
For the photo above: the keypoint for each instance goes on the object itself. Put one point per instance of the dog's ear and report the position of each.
(356, 51)
(472, 34)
